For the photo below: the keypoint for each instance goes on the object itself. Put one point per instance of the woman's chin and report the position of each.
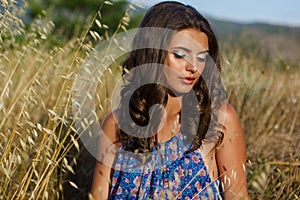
(179, 91)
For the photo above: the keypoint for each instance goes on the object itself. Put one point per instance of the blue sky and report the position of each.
(285, 12)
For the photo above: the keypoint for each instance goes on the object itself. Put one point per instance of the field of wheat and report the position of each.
(41, 156)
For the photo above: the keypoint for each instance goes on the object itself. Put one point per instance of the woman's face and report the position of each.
(186, 59)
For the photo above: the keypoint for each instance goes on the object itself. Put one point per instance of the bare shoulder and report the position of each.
(110, 120)
(229, 118)
(231, 154)
(233, 132)
(109, 126)
(105, 158)
(227, 113)
(107, 145)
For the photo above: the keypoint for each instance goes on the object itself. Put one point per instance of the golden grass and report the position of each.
(267, 100)
(37, 132)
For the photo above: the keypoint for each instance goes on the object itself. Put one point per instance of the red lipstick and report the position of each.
(188, 80)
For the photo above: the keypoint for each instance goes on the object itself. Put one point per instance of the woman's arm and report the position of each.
(106, 156)
(231, 156)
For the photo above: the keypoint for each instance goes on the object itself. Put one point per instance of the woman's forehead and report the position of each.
(190, 38)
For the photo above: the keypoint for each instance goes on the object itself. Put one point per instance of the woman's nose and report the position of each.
(191, 65)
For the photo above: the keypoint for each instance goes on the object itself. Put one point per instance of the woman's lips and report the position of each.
(188, 80)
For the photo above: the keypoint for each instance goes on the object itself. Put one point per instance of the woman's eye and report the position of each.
(202, 58)
(179, 54)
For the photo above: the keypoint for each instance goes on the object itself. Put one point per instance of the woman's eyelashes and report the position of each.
(202, 57)
(180, 54)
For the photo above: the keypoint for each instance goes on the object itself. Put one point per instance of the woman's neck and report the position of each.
(171, 123)
(173, 106)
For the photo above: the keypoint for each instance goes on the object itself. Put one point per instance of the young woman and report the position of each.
(183, 140)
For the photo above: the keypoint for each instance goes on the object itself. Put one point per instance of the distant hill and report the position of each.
(277, 40)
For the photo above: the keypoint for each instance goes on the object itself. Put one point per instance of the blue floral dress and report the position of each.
(170, 173)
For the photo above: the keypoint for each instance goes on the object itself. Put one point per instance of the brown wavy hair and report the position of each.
(200, 117)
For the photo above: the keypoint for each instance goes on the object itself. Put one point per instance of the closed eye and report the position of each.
(179, 54)
(202, 57)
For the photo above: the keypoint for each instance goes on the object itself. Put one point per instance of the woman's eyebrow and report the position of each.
(204, 51)
(188, 50)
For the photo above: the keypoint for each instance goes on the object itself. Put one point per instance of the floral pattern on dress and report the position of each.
(169, 174)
